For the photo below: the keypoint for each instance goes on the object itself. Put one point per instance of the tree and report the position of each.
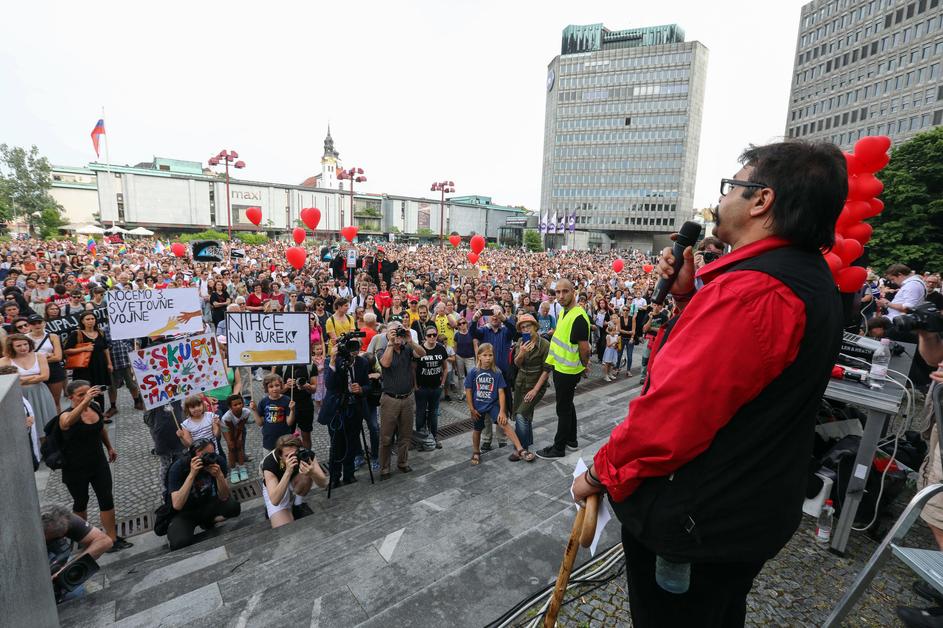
(425, 232)
(532, 241)
(25, 181)
(910, 229)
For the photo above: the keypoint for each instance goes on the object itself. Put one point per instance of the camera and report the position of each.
(209, 458)
(304, 455)
(925, 317)
(710, 256)
(402, 332)
(72, 575)
(346, 345)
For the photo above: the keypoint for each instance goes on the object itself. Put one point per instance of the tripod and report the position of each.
(338, 419)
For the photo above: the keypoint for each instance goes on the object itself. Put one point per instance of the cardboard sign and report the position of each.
(257, 338)
(65, 325)
(151, 313)
(174, 370)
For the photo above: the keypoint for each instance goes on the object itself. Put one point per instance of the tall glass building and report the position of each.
(870, 67)
(621, 133)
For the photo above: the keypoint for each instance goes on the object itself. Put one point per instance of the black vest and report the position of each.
(741, 499)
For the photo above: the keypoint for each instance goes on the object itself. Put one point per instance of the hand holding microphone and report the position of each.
(676, 266)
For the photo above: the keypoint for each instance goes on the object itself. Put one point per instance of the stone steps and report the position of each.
(376, 551)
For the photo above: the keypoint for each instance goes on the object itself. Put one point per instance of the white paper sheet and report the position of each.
(603, 514)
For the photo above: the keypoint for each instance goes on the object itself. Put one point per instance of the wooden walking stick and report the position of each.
(584, 529)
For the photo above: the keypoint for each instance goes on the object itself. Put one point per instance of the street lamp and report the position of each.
(354, 175)
(443, 187)
(227, 158)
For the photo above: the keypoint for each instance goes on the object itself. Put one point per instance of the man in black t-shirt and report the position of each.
(431, 372)
(198, 494)
(62, 529)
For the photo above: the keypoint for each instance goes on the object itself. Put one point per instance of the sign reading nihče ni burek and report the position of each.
(173, 370)
(257, 338)
(154, 312)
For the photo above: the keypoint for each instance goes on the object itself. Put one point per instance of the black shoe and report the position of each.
(486, 447)
(573, 444)
(300, 511)
(350, 480)
(549, 453)
(119, 544)
(385, 476)
(406, 469)
(446, 398)
(927, 592)
(920, 617)
(502, 445)
(336, 484)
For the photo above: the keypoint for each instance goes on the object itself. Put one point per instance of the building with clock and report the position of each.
(621, 133)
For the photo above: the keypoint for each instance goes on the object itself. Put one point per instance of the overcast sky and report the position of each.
(415, 92)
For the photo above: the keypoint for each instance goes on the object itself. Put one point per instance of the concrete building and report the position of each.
(870, 67)
(621, 134)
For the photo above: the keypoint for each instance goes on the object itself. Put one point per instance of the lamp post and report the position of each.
(354, 175)
(443, 187)
(227, 158)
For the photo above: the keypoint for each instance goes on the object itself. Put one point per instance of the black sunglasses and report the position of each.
(728, 184)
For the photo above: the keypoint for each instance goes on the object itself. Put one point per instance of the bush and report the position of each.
(532, 241)
(252, 238)
(209, 234)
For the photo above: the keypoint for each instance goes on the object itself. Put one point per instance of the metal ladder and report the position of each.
(928, 564)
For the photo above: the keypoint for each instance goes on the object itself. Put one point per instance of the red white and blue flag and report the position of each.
(99, 130)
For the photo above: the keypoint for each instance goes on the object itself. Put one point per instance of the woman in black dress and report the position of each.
(99, 368)
(219, 299)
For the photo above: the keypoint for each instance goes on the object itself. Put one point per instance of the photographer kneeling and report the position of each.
(62, 528)
(344, 407)
(287, 474)
(199, 492)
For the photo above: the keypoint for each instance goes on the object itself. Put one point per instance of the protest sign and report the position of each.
(257, 338)
(154, 312)
(65, 325)
(173, 370)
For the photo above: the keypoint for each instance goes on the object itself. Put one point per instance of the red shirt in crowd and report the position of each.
(255, 300)
(738, 333)
(383, 299)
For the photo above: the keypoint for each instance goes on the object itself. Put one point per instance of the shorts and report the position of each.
(284, 504)
(125, 376)
(480, 421)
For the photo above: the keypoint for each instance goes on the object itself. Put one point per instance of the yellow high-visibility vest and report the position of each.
(565, 356)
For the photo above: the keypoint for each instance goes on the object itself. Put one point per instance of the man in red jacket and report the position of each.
(707, 472)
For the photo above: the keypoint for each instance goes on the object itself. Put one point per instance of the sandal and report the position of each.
(112, 411)
(528, 456)
(476, 458)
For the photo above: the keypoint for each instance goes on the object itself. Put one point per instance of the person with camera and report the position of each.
(288, 472)
(62, 529)
(199, 492)
(344, 408)
(397, 405)
(911, 291)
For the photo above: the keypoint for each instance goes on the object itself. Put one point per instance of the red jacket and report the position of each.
(738, 333)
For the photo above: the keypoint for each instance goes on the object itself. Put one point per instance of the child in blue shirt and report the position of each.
(275, 414)
(485, 397)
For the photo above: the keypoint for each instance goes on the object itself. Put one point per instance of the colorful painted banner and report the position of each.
(152, 313)
(174, 370)
(257, 338)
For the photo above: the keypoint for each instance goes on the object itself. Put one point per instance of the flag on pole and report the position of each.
(561, 225)
(98, 131)
(552, 224)
(543, 223)
(159, 248)
(90, 245)
(571, 222)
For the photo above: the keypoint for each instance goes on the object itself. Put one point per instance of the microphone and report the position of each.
(687, 236)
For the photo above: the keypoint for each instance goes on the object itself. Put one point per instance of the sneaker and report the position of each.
(573, 444)
(358, 462)
(234, 476)
(119, 544)
(549, 453)
(258, 375)
(919, 617)
(243, 474)
(375, 465)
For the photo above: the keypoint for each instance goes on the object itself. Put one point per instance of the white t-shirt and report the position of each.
(203, 428)
(912, 292)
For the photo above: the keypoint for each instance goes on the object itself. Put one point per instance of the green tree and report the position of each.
(25, 181)
(910, 229)
(425, 232)
(532, 240)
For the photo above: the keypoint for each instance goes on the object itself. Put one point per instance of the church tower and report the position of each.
(330, 163)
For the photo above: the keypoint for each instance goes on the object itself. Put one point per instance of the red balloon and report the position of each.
(851, 250)
(854, 167)
(871, 151)
(296, 256)
(254, 214)
(349, 233)
(473, 257)
(477, 244)
(877, 206)
(298, 235)
(178, 249)
(860, 231)
(857, 210)
(844, 219)
(455, 239)
(648, 268)
(618, 265)
(311, 216)
(870, 186)
(851, 279)
(834, 263)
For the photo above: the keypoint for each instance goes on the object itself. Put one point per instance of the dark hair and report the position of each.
(897, 269)
(717, 243)
(810, 183)
(232, 398)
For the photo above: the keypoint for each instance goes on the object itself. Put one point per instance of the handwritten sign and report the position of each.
(65, 325)
(256, 338)
(173, 370)
(153, 312)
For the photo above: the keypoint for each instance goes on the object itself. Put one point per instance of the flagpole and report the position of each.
(108, 167)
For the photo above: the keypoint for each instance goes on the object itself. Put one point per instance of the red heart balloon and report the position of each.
(298, 235)
(870, 186)
(618, 265)
(871, 152)
(477, 244)
(855, 192)
(851, 279)
(311, 216)
(834, 263)
(178, 249)
(857, 209)
(455, 239)
(647, 268)
(877, 206)
(845, 218)
(296, 256)
(473, 257)
(852, 163)
(254, 214)
(860, 231)
(851, 250)
(349, 233)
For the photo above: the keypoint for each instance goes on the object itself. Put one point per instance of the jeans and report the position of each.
(373, 425)
(565, 386)
(427, 413)
(524, 428)
(628, 348)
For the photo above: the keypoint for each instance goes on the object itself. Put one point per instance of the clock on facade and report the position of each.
(550, 77)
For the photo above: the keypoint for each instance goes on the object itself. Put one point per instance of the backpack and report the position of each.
(51, 450)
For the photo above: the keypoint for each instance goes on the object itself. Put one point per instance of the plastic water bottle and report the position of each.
(879, 364)
(672, 577)
(823, 529)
